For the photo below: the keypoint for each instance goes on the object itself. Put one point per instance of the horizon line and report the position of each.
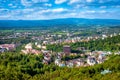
(56, 19)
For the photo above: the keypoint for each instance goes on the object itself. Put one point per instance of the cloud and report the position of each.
(60, 1)
(26, 3)
(57, 10)
(48, 4)
(4, 11)
(31, 2)
(49, 9)
(37, 1)
(74, 1)
(102, 11)
(105, 1)
(12, 5)
(90, 11)
(94, 12)
(89, 1)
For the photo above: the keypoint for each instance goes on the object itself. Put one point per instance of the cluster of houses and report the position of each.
(46, 54)
(95, 57)
(82, 39)
(30, 50)
(57, 39)
(92, 58)
(71, 63)
(47, 57)
(16, 35)
(7, 47)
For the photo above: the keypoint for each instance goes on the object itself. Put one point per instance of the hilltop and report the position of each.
(57, 22)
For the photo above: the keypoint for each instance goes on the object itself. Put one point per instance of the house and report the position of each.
(57, 61)
(101, 58)
(33, 51)
(24, 51)
(47, 58)
(45, 61)
(8, 47)
(61, 64)
(2, 50)
(67, 49)
(79, 62)
(91, 60)
(28, 47)
(69, 63)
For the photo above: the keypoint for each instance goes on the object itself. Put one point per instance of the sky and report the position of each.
(52, 9)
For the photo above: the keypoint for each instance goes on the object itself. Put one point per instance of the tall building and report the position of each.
(67, 49)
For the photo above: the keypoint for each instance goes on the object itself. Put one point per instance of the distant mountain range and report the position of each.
(55, 22)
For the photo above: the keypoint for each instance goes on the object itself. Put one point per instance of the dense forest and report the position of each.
(107, 44)
(16, 66)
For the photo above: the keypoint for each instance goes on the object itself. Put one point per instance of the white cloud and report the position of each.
(104, 1)
(89, 1)
(5, 16)
(60, 1)
(42, 9)
(26, 3)
(47, 4)
(102, 11)
(94, 12)
(10, 4)
(3, 9)
(57, 10)
(90, 11)
(27, 10)
(73, 14)
(74, 1)
(82, 6)
(36, 1)
(31, 2)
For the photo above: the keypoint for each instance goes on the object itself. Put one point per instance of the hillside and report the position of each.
(56, 22)
(15, 66)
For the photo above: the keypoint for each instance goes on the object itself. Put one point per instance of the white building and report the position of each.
(91, 61)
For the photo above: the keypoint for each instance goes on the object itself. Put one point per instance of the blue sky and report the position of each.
(51, 9)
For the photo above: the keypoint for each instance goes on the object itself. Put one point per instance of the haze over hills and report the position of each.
(55, 22)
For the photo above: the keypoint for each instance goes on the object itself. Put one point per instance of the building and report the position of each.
(28, 47)
(91, 61)
(2, 50)
(67, 49)
(8, 47)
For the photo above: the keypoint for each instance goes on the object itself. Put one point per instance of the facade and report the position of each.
(67, 49)
(8, 47)
(91, 61)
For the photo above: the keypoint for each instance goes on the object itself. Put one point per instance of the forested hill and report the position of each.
(55, 22)
(15, 66)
